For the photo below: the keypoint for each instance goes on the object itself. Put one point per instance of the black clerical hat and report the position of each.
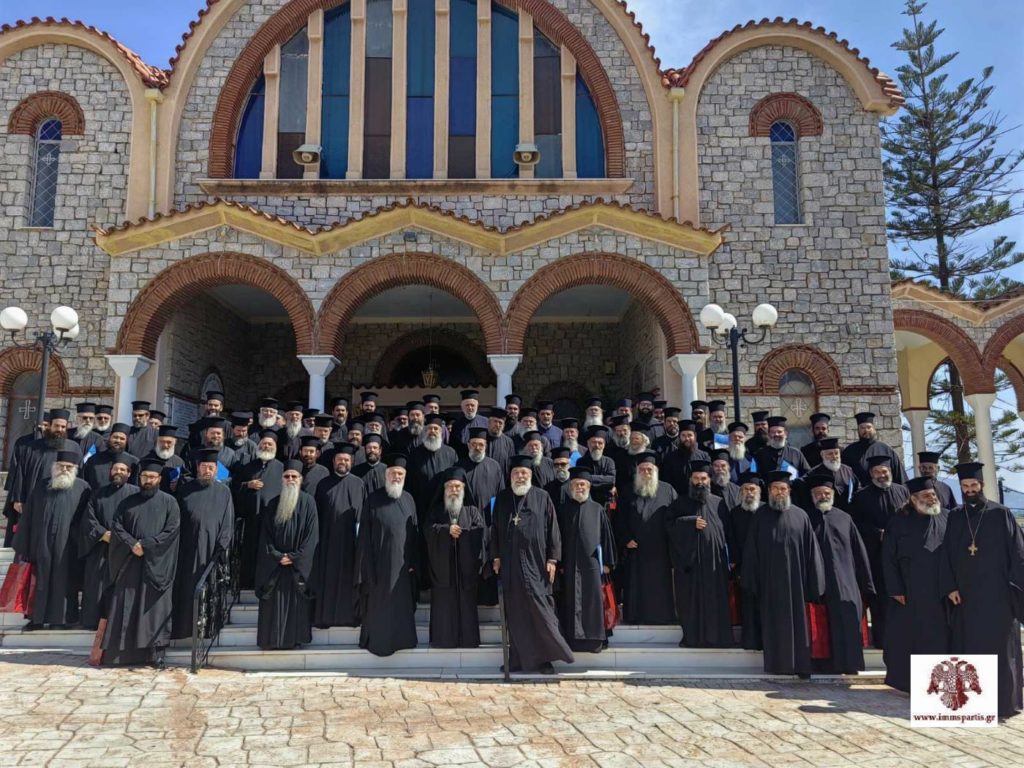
(415, 405)
(700, 465)
(526, 413)
(561, 452)
(687, 425)
(569, 423)
(720, 454)
(376, 418)
(660, 404)
(880, 459)
(532, 435)
(214, 394)
(545, 405)
(738, 426)
(240, 419)
(167, 430)
(928, 457)
(396, 460)
(60, 413)
(401, 411)
(357, 425)
(469, 394)
(618, 421)
(639, 426)
(820, 480)
(269, 402)
(624, 402)
(85, 408)
(68, 457)
(368, 397)
(431, 398)
(918, 484)
(478, 433)
(270, 433)
(105, 409)
(648, 457)
(750, 478)
(206, 455)
(758, 416)
(335, 402)
(310, 441)
(372, 438)
(816, 417)
(645, 396)
(140, 405)
(151, 464)
(455, 473)
(865, 417)
(779, 476)
(310, 413)
(497, 413)
(121, 427)
(828, 443)
(322, 420)
(698, 405)
(596, 430)
(513, 399)
(158, 415)
(434, 418)
(294, 405)
(970, 470)
(520, 461)
(293, 465)
(579, 473)
(347, 448)
(594, 402)
(776, 421)
(672, 412)
(716, 405)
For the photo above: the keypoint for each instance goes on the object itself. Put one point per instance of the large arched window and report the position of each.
(785, 177)
(45, 173)
(797, 401)
(466, 101)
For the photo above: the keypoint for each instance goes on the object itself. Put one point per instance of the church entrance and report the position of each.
(21, 411)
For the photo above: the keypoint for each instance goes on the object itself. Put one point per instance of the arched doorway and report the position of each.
(21, 411)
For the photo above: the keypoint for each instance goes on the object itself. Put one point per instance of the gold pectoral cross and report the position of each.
(973, 549)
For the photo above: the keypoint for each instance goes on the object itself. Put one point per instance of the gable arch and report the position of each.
(32, 110)
(15, 361)
(806, 358)
(792, 108)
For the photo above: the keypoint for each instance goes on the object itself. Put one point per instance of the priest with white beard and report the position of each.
(47, 537)
(387, 553)
(255, 485)
(500, 446)
(525, 548)
(288, 539)
(737, 527)
(543, 469)
(484, 481)
(739, 456)
(721, 478)
(292, 432)
(175, 471)
(90, 442)
(570, 439)
(600, 467)
(843, 477)
(427, 462)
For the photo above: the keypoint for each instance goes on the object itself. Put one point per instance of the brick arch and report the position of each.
(154, 306)
(997, 343)
(806, 358)
(15, 361)
(791, 107)
(1016, 379)
(294, 16)
(442, 338)
(386, 272)
(953, 341)
(643, 283)
(32, 110)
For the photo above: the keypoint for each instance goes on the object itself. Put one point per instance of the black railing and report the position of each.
(212, 601)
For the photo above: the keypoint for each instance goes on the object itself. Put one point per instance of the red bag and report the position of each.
(735, 603)
(817, 621)
(96, 653)
(865, 635)
(19, 590)
(612, 614)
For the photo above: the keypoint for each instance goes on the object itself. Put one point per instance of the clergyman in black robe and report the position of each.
(143, 560)
(485, 479)
(339, 502)
(700, 560)
(778, 454)
(469, 418)
(914, 560)
(783, 567)
(847, 577)
(17, 457)
(983, 578)
(96, 471)
(857, 455)
(386, 561)
(601, 467)
(288, 539)
(526, 547)
(39, 456)
(928, 466)
(207, 531)
(737, 528)
(47, 537)
(455, 547)
(588, 554)
(722, 485)
(255, 485)
(94, 542)
(312, 471)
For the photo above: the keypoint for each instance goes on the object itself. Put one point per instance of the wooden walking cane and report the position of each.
(96, 652)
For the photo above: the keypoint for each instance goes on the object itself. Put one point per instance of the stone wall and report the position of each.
(640, 360)
(829, 277)
(569, 353)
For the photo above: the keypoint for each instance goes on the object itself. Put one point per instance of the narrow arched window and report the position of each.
(45, 173)
(798, 399)
(785, 179)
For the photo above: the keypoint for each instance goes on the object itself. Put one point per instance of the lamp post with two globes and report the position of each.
(65, 329)
(725, 332)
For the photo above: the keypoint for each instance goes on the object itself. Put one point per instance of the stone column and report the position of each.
(271, 110)
(319, 368)
(981, 404)
(128, 369)
(917, 418)
(504, 366)
(689, 368)
(314, 86)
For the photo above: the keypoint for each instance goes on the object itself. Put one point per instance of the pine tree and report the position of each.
(946, 180)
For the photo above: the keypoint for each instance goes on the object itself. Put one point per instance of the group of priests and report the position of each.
(340, 519)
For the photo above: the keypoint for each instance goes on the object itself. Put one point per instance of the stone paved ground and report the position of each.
(54, 711)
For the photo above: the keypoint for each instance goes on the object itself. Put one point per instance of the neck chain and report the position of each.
(973, 548)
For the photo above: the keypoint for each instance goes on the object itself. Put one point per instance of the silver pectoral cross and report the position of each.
(516, 518)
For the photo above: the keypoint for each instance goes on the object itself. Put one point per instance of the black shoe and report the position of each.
(547, 668)
(32, 627)
(604, 645)
(59, 626)
(804, 676)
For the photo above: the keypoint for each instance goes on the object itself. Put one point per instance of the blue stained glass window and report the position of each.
(46, 172)
(504, 91)
(589, 138)
(249, 147)
(547, 105)
(462, 90)
(377, 105)
(337, 69)
(785, 176)
(419, 123)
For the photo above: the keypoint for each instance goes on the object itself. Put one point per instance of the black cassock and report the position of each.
(525, 536)
(339, 501)
(786, 458)
(700, 560)
(602, 477)
(423, 480)
(729, 493)
(454, 576)
(139, 618)
(914, 560)
(985, 622)
(845, 480)
(501, 448)
(584, 528)
(645, 573)
(372, 475)
(312, 477)
(484, 481)
(47, 536)
(96, 471)
(387, 551)
(677, 468)
(847, 577)
(737, 528)
(250, 507)
(17, 457)
(856, 456)
(141, 440)
(871, 510)
(283, 590)
(945, 494)
(207, 530)
(99, 518)
(35, 465)
(782, 566)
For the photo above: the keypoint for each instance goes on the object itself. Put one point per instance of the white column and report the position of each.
(319, 368)
(504, 366)
(128, 369)
(981, 404)
(917, 418)
(526, 134)
(689, 368)
(271, 110)
(314, 86)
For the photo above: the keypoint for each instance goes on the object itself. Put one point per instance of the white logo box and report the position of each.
(944, 691)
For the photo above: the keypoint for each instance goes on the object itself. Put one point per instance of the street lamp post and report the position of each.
(725, 332)
(65, 329)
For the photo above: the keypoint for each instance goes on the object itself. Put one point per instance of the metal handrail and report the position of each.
(212, 601)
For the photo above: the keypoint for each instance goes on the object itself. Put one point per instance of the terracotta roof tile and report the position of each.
(188, 35)
(680, 77)
(152, 77)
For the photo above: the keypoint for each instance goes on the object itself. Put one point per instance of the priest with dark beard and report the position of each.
(588, 554)
(677, 467)
(913, 560)
(700, 560)
(207, 531)
(645, 558)
(312, 471)
(722, 485)
(38, 458)
(847, 578)
(387, 552)
(783, 568)
(737, 528)
(455, 548)
(143, 559)
(558, 487)
(983, 577)
(47, 537)
(96, 471)
(500, 446)
(857, 455)
(339, 501)
(243, 448)
(526, 547)
(288, 539)
(141, 436)
(254, 486)
(371, 470)
(94, 542)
